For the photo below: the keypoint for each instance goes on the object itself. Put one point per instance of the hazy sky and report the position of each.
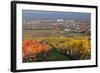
(35, 14)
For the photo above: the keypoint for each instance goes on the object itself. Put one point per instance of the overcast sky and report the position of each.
(34, 14)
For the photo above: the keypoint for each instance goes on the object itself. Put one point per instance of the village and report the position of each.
(58, 24)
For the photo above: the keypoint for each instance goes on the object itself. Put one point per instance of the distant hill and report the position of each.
(29, 15)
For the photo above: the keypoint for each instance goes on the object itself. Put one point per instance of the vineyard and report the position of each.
(56, 48)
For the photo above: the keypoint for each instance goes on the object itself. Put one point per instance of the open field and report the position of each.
(44, 33)
(54, 45)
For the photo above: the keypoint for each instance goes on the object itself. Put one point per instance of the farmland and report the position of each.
(55, 36)
(55, 45)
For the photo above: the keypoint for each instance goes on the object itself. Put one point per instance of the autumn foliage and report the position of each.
(77, 48)
(33, 47)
